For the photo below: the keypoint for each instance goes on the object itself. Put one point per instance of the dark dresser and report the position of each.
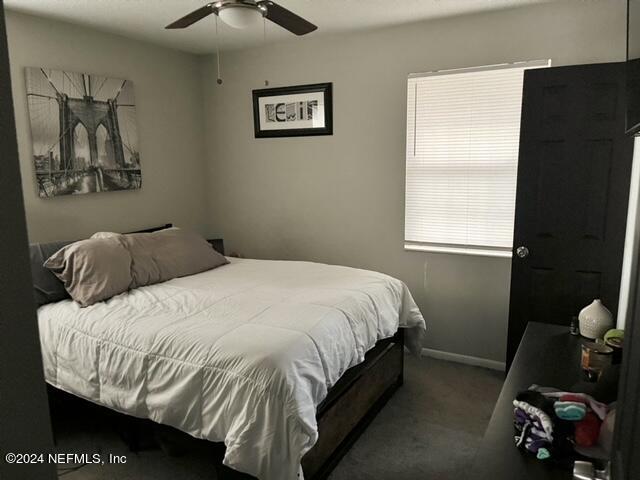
(549, 356)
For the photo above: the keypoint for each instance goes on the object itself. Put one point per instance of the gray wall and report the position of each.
(340, 199)
(170, 127)
(337, 199)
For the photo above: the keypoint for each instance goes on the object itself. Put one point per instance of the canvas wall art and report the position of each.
(84, 132)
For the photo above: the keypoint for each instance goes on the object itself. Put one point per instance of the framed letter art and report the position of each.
(295, 111)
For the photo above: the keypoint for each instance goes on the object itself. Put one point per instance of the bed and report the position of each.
(260, 355)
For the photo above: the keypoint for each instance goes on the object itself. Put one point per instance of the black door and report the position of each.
(571, 204)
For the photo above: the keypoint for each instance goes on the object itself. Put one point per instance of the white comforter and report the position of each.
(241, 354)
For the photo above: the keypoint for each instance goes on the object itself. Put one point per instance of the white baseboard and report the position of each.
(466, 359)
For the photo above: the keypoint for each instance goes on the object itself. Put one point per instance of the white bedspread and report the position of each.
(241, 354)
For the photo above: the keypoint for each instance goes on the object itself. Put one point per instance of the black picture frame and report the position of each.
(325, 88)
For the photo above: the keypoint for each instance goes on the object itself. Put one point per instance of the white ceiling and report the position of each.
(145, 19)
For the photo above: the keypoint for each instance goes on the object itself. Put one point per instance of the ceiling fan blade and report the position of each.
(287, 19)
(193, 17)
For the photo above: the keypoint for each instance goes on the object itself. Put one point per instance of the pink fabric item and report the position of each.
(600, 409)
(572, 397)
(587, 430)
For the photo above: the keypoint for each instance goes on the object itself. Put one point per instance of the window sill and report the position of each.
(474, 251)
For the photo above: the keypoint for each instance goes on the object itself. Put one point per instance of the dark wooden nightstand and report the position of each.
(217, 244)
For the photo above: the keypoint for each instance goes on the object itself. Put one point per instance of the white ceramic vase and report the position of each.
(595, 320)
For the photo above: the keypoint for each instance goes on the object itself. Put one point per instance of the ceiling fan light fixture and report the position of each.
(240, 15)
(244, 13)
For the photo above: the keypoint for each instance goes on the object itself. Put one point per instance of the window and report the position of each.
(463, 130)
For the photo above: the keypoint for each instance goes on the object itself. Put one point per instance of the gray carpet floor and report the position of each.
(430, 429)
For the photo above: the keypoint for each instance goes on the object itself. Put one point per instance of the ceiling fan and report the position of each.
(244, 13)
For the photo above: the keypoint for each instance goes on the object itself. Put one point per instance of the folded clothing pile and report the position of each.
(551, 423)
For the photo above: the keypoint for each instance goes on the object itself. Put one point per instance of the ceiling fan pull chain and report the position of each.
(219, 80)
(264, 40)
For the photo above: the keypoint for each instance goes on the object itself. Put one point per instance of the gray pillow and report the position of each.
(166, 254)
(93, 270)
(47, 288)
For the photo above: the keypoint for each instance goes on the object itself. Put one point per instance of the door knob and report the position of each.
(522, 251)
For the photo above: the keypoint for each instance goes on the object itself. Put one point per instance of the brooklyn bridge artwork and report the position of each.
(84, 132)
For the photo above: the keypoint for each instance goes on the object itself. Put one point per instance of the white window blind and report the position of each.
(463, 129)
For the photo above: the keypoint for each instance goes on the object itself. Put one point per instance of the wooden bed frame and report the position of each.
(345, 413)
(353, 403)
(349, 408)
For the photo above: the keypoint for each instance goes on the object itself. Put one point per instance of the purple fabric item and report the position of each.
(532, 436)
(537, 414)
(534, 445)
(521, 417)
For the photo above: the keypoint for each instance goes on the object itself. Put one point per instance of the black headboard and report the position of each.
(153, 229)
